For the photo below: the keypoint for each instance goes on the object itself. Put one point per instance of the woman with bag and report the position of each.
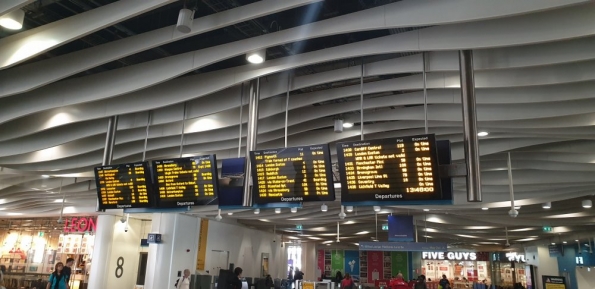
(57, 279)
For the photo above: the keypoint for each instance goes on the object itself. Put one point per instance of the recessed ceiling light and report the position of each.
(576, 240)
(58, 201)
(256, 211)
(483, 133)
(376, 208)
(347, 124)
(277, 210)
(362, 233)
(314, 238)
(426, 210)
(264, 220)
(553, 243)
(485, 208)
(587, 204)
(349, 209)
(324, 208)
(45, 176)
(230, 214)
(256, 56)
(349, 223)
(327, 242)
(294, 210)
(357, 244)
(547, 205)
(564, 242)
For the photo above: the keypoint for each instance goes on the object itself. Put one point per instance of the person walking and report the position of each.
(444, 283)
(184, 281)
(57, 278)
(347, 282)
(67, 271)
(398, 283)
(421, 282)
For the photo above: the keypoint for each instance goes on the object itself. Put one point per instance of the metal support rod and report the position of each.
(426, 227)
(183, 129)
(470, 126)
(251, 136)
(416, 238)
(110, 140)
(108, 151)
(510, 185)
(287, 106)
(338, 232)
(147, 134)
(425, 92)
(376, 215)
(361, 102)
(241, 119)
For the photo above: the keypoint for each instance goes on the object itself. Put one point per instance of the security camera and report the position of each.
(507, 245)
(274, 241)
(123, 219)
(60, 221)
(513, 213)
(126, 230)
(218, 218)
(342, 215)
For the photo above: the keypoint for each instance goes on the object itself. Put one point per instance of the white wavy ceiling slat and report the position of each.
(33, 75)
(9, 5)
(26, 45)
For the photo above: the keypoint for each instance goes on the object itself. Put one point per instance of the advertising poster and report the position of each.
(231, 183)
(375, 265)
(320, 268)
(554, 282)
(337, 262)
(400, 264)
(352, 263)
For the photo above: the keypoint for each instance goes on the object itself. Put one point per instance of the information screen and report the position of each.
(123, 186)
(296, 174)
(186, 181)
(394, 169)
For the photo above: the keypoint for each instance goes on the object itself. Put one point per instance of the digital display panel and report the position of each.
(404, 168)
(123, 186)
(186, 181)
(296, 174)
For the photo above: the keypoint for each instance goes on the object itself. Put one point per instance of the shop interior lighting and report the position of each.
(587, 204)
(13, 20)
(547, 205)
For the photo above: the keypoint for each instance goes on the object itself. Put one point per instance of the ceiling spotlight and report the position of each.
(13, 20)
(256, 211)
(576, 240)
(587, 204)
(324, 208)
(349, 209)
(294, 210)
(230, 214)
(185, 19)
(338, 125)
(45, 176)
(347, 124)
(547, 205)
(483, 133)
(426, 210)
(485, 208)
(277, 210)
(376, 209)
(564, 242)
(257, 56)
(553, 243)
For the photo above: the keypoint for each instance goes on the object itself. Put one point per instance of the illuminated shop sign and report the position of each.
(79, 225)
(456, 256)
(515, 257)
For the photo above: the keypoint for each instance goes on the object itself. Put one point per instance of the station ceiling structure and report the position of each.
(77, 63)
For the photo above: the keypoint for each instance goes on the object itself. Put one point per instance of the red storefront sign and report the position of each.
(320, 263)
(375, 266)
(79, 225)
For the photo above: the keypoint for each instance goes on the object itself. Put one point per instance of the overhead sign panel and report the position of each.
(394, 169)
(185, 182)
(296, 174)
(123, 186)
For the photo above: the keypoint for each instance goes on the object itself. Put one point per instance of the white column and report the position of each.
(309, 261)
(176, 252)
(102, 249)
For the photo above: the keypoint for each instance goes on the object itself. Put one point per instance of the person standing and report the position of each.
(184, 282)
(421, 282)
(398, 283)
(347, 282)
(67, 271)
(444, 283)
(57, 278)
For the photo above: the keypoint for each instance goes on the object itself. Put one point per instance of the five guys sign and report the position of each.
(79, 225)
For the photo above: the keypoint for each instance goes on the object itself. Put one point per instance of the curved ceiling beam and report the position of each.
(133, 78)
(33, 75)
(532, 28)
(183, 88)
(9, 5)
(26, 45)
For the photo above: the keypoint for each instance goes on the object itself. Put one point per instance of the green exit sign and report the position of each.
(40, 234)
(298, 227)
(547, 229)
(384, 227)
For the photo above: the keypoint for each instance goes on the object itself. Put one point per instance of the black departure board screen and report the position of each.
(186, 181)
(394, 169)
(296, 174)
(123, 186)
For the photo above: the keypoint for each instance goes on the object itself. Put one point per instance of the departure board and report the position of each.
(186, 181)
(296, 174)
(394, 169)
(123, 186)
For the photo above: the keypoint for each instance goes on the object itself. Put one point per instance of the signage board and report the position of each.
(453, 256)
(402, 246)
(154, 238)
(79, 225)
(554, 282)
(547, 229)
(400, 229)
(123, 186)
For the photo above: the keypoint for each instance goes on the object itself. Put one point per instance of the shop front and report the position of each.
(510, 268)
(461, 268)
(31, 248)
